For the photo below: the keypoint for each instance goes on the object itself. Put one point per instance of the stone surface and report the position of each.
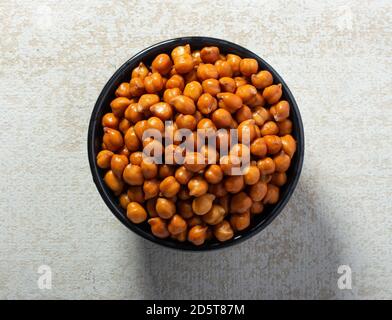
(55, 58)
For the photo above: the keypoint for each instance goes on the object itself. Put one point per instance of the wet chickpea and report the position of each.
(206, 103)
(183, 175)
(262, 79)
(124, 200)
(273, 93)
(177, 225)
(246, 92)
(234, 62)
(285, 127)
(133, 175)
(193, 90)
(197, 186)
(197, 235)
(279, 179)
(240, 203)
(257, 207)
(112, 139)
(251, 175)
(141, 71)
(282, 162)
(162, 64)
(280, 111)
(131, 140)
(170, 94)
(248, 66)
(119, 105)
(258, 191)
(289, 145)
(269, 128)
(110, 120)
(159, 227)
(218, 189)
(175, 81)
(103, 159)
(203, 204)
(240, 221)
(234, 184)
(207, 71)
(118, 164)
(150, 188)
(223, 68)
(222, 118)
(214, 174)
(136, 213)
(165, 208)
(209, 54)
(258, 148)
(149, 168)
(272, 195)
(211, 86)
(153, 83)
(194, 161)
(169, 187)
(266, 166)
(274, 143)
(183, 104)
(229, 101)
(162, 110)
(243, 113)
(215, 215)
(227, 84)
(136, 87)
(223, 231)
(113, 182)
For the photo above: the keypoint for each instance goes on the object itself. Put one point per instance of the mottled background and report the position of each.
(56, 56)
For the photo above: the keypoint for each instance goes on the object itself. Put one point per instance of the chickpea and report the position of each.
(223, 68)
(183, 64)
(240, 203)
(197, 186)
(124, 125)
(274, 143)
(190, 76)
(234, 184)
(141, 71)
(289, 145)
(149, 168)
(155, 123)
(194, 161)
(158, 227)
(246, 92)
(215, 215)
(177, 225)
(229, 101)
(136, 87)
(180, 50)
(183, 104)
(251, 175)
(136, 213)
(133, 175)
(183, 175)
(261, 115)
(213, 174)
(258, 191)
(162, 64)
(272, 195)
(279, 179)
(243, 113)
(222, 118)
(197, 235)
(206, 103)
(124, 201)
(273, 93)
(207, 71)
(150, 189)
(170, 94)
(169, 187)
(266, 166)
(228, 163)
(209, 54)
(113, 182)
(112, 139)
(203, 204)
(175, 81)
(118, 164)
(282, 162)
(123, 90)
(246, 130)
(211, 86)
(165, 171)
(269, 128)
(227, 84)
(240, 81)
(196, 57)
(133, 114)
(240, 150)
(223, 231)
(266, 178)
(165, 208)
(136, 158)
(248, 66)
(257, 101)
(136, 194)
(119, 105)
(240, 221)
(147, 100)
(110, 120)
(184, 208)
(162, 110)
(280, 111)
(153, 83)
(257, 207)
(258, 148)
(186, 121)
(131, 140)
(181, 237)
(103, 159)
(234, 62)
(193, 90)
(217, 189)
(262, 79)
(285, 127)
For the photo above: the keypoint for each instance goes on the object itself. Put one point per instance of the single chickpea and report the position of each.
(150, 188)
(118, 164)
(112, 139)
(136, 87)
(234, 184)
(133, 175)
(240, 81)
(234, 62)
(207, 71)
(203, 204)
(207, 125)
(261, 115)
(279, 179)
(194, 161)
(103, 159)
(243, 113)
(170, 94)
(285, 127)
(222, 118)
(280, 111)
(240, 203)
(183, 64)
(258, 191)
(273, 93)
(246, 92)
(177, 225)
(227, 84)
(186, 121)
(282, 162)
(257, 207)
(180, 50)
(124, 200)
(110, 120)
(184, 208)
(162, 110)
(197, 186)
(113, 182)
(158, 227)
(262, 79)
(223, 231)
(124, 125)
(183, 104)
(266, 166)
(183, 175)
(162, 64)
(147, 100)
(153, 83)
(133, 114)
(251, 175)
(211, 86)
(193, 90)
(175, 81)
(213, 174)
(209, 54)
(155, 123)
(223, 68)
(274, 143)
(136, 213)
(165, 208)
(197, 235)
(206, 103)
(119, 105)
(229, 101)
(169, 187)
(136, 158)
(141, 71)
(196, 57)
(257, 101)
(217, 189)
(165, 171)
(248, 66)
(131, 140)
(258, 148)
(289, 145)
(149, 168)
(123, 90)
(215, 215)
(246, 131)
(269, 128)
(272, 195)
(240, 221)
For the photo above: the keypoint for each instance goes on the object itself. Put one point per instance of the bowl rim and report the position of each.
(114, 208)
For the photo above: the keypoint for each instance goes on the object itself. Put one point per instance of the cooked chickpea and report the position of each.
(193, 90)
(251, 175)
(119, 105)
(136, 213)
(133, 114)
(222, 118)
(141, 71)
(261, 115)
(203, 204)
(262, 79)
(234, 184)
(207, 71)
(206, 103)
(186, 121)
(197, 235)
(165, 171)
(257, 207)
(269, 128)
(227, 84)
(124, 125)
(279, 179)
(215, 215)
(183, 175)
(229, 101)
(246, 130)
(147, 100)
(133, 175)
(266, 166)
(123, 90)
(243, 113)
(248, 66)
(136, 87)
(223, 231)
(175, 81)
(103, 159)
(223, 68)
(214, 174)
(118, 164)
(209, 54)
(153, 83)
(285, 127)
(162, 110)
(194, 161)
(280, 111)
(149, 168)
(272, 195)
(183, 104)
(234, 62)
(246, 92)
(169, 187)
(289, 145)
(112, 139)
(240, 203)
(282, 162)
(211, 86)
(183, 64)
(158, 227)
(162, 64)
(196, 57)
(258, 148)
(240, 81)
(273, 93)
(124, 200)
(228, 163)
(155, 123)
(113, 182)
(150, 188)
(258, 191)
(274, 143)
(110, 120)
(197, 186)
(257, 101)
(240, 221)
(165, 208)
(131, 140)
(170, 94)
(217, 189)
(177, 225)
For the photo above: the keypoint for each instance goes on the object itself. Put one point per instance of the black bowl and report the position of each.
(95, 134)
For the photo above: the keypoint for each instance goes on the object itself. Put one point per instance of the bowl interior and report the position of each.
(102, 106)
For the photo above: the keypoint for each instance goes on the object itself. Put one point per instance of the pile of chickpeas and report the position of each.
(199, 89)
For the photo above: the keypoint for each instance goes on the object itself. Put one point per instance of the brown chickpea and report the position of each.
(124, 125)
(194, 161)
(103, 159)
(261, 115)
(273, 93)
(136, 213)
(118, 164)
(280, 111)
(279, 179)
(124, 200)
(119, 105)
(269, 128)
(227, 84)
(209, 54)
(262, 79)
(213, 174)
(112, 139)
(203, 204)
(289, 145)
(153, 83)
(113, 182)
(248, 66)
(123, 90)
(155, 123)
(193, 90)
(147, 100)
(240, 81)
(223, 68)
(246, 92)
(183, 104)
(251, 175)
(180, 50)
(258, 191)
(133, 175)
(136, 158)
(165, 208)
(282, 162)
(162, 64)
(234, 62)
(272, 195)
(177, 225)
(215, 215)
(165, 171)
(175, 81)
(225, 203)
(266, 166)
(183, 175)
(240, 221)
(211, 86)
(206, 103)
(222, 118)
(186, 121)
(246, 130)
(274, 143)
(170, 94)
(131, 140)
(136, 87)
(133, 114)
(258, 148)
(217, 189)
(136, 194)
(110, 120)
(207, 71)
(228, 163)
(197, 235)
(149, 168)
(243, 113)
(285, 127)
(183, 64)
(184, 208)
(234, 184)
(240, 203)
(229, 101)
(162, 110)
(197, 186)
(169, 187)
(150, 188)
(257, 207)
(223, 231)
(141, 71)
(158, 227)
(257, 101)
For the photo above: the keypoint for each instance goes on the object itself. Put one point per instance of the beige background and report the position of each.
(56, 56)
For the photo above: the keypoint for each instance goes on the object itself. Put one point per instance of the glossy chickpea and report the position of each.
(177, 225)
(246, 92)
(273, 93)
(113, 182)
(197, 234)
(183, 175)
(280, 111)
(136, 87)
(186, 121)
(217, 189)
(223, 231)
(136, 213)
(279, 179)
(257, 101)
(285, 127)
(132, 113)
(175, 81)
(214, 174)
(257, 207)
(184, 208)
(162, 64)
(269, 128)
(274, 143)
(193, 90)
(141, 71)
(197, 186)
(240, 221)
(215, 215)
(147, 100)
(282, 162)
(222, 118)
(234, 62)
(227, 84)
(261, 115)
(203, 204)
(110, 120)
(136, 158)
(165, 208)
(209, 54)
(229, 101)
(183, 63)
(183, 104)
(123, 90)
(211, 86)
(103, 159)
(169, 187)
(246, 131)
(149, 168)
(258, 148)
(289, 145)
(162, 110)
(158, 227)
(170, 94)
(118, 164)
(251, 175)
(165, 171)
(153, 83)
(150, 188)
(266, 166)
(156, 124)
(124, 200)
(240, 81)
(240, 203)
(206, 103)
(258, 191)
(262, 79)
(194, 161)
(112, 139)
(234, 184)
(272, 195)
(248, 66)
(131, 140)
(133, 175)
(223, 68)
(207, 71)
(124, 125)
(119, 105)
(243, 113)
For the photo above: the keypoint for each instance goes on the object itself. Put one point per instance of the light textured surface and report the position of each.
(55, 57)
